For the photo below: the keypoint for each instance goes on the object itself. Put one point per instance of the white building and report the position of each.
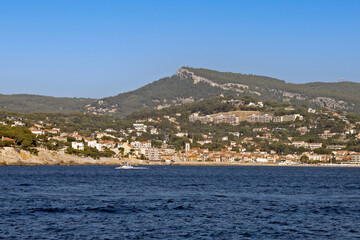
(287, 118)
(187, 147)
(355, 158)
(91, 143)
(77, 145)
(153, 154)
(37, 131)
(153, 131)
(138, 144)
(181, 134)
(19, 123)
(313, 146)
(140, 127)
(109, 130)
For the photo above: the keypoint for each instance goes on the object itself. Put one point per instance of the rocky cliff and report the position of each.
(13, 156)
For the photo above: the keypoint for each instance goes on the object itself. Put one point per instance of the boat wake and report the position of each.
(132, 168)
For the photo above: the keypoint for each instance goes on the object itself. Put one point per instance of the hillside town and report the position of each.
(256, 136)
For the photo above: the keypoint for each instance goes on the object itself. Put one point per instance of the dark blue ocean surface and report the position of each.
(173, 202)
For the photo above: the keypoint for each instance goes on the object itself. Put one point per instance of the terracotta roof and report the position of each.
(7, 139)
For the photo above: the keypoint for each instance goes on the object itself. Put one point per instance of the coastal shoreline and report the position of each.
(260, 164)
(14, 157)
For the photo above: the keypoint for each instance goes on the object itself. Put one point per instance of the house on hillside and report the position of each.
(7, 139)
(37, 131)
(77, 145)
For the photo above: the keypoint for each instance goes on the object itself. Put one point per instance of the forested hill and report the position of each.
(25, 103)
(193, 84)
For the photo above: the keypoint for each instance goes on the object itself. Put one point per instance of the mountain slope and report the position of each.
(25, 103)
(193, 84)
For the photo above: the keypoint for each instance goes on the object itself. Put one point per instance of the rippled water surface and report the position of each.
(173, 202)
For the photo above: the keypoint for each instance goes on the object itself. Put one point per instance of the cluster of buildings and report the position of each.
(233, 119)
(234, 147)
(39, 131)
(287, 118)
(263, 118)
(311, 146)
(227, 155)
(15, 122)
(266, 118)
(230, 119)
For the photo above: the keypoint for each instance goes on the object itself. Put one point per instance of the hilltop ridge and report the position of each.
(188, 85)
(193, 84)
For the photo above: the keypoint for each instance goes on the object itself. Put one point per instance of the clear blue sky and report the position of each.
(100, 48)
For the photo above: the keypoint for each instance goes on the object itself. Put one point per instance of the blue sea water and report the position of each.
(175, 202)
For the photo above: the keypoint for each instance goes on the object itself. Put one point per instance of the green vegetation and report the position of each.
(285, 132)
(84, 123)
(22, 137)
(346, 91)
(90, 152)
(171, 89)
(207, 106)
(174, 128)
(26, 103)
(176, 90)
(353, 118)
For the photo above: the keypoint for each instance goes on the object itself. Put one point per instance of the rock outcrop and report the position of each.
(14, 156)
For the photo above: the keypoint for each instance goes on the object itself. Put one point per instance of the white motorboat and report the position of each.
(125, 166)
